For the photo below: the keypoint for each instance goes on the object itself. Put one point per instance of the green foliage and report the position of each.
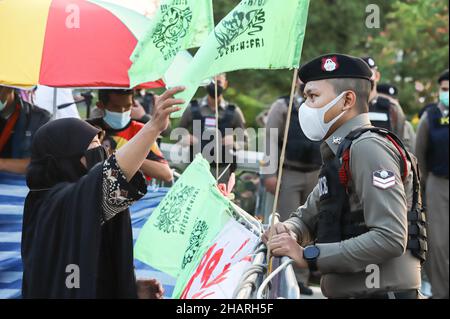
(414, 48)
(417, 30)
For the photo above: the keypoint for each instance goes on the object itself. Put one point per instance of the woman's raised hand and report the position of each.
(165, 105)
(132, 155)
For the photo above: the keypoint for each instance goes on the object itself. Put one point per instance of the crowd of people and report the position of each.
(351, 189)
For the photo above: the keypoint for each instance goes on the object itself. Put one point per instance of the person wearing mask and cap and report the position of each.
(364, 218)
(200, 119)
(119, 128)
(301, 166)
(384, 112)
(19, 121)
(77, 237)
(390, 92)
(432, 151)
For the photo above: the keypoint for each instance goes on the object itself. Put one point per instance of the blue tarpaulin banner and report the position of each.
(13, 191)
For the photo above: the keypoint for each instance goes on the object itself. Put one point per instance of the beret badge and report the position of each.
(330, 64)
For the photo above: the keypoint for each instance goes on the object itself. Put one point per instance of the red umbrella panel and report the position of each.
(83, 43)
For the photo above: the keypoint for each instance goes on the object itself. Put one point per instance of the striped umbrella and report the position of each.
(69, 43)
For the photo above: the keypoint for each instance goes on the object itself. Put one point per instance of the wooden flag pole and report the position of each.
(217, 129)
(281, 164)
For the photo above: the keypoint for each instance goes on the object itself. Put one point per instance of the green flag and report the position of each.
(180, 230)
(178, 25)
(257, 34)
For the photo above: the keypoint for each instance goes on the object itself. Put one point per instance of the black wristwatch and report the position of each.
(310, 254)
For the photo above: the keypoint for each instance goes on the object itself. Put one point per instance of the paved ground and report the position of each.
(317, 294)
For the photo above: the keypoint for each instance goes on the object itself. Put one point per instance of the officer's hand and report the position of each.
(278, 228)
(284, 245)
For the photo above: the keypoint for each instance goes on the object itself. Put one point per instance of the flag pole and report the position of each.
(217, 128)
(55, 103)
(281, 165)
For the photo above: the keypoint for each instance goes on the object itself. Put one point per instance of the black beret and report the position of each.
(443, 77)
(370, 61)
(387, 89)
(335, 66)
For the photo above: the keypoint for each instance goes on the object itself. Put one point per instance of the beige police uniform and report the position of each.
(409, 138)
(402, 128)
(298, 180)
(437, 196)
(347, 266)
(409, 135)
(238, 122)
(399, 123)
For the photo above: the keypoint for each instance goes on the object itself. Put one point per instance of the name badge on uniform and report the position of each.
(384, 179)
(210, 122)
(323, 186)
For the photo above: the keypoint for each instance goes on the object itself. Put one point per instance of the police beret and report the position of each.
(334, 66)
(370, 61)
(387, 89)
(443, 77)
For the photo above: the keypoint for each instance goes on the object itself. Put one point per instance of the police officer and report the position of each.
(301, 165)
(202, 113)
(390, 92)
(432, 153)
(383, 112)
(362, 227)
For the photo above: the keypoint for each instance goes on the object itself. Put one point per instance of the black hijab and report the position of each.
(56, 152)
(62, 235)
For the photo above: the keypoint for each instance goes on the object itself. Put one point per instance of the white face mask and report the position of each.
(312, 120)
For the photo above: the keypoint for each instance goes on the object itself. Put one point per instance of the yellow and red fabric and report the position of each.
(68, 43)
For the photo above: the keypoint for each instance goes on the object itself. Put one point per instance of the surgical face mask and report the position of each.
(312, 120)
(116, 120)
(95, 156)
(443, 97)
(211, 89)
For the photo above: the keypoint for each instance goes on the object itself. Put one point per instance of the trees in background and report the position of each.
(411, 48)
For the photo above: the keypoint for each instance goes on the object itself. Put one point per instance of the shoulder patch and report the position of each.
(384, 179)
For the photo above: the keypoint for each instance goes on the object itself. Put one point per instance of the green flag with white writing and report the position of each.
(179, 231)
(178, 25)
(257, 34)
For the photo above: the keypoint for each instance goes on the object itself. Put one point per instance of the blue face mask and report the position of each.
(443, 97)
(117, 121)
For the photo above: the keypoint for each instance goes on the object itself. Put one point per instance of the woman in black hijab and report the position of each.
(77, 237)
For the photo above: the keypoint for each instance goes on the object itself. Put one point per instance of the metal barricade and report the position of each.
(253, 277)
(282, 283)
